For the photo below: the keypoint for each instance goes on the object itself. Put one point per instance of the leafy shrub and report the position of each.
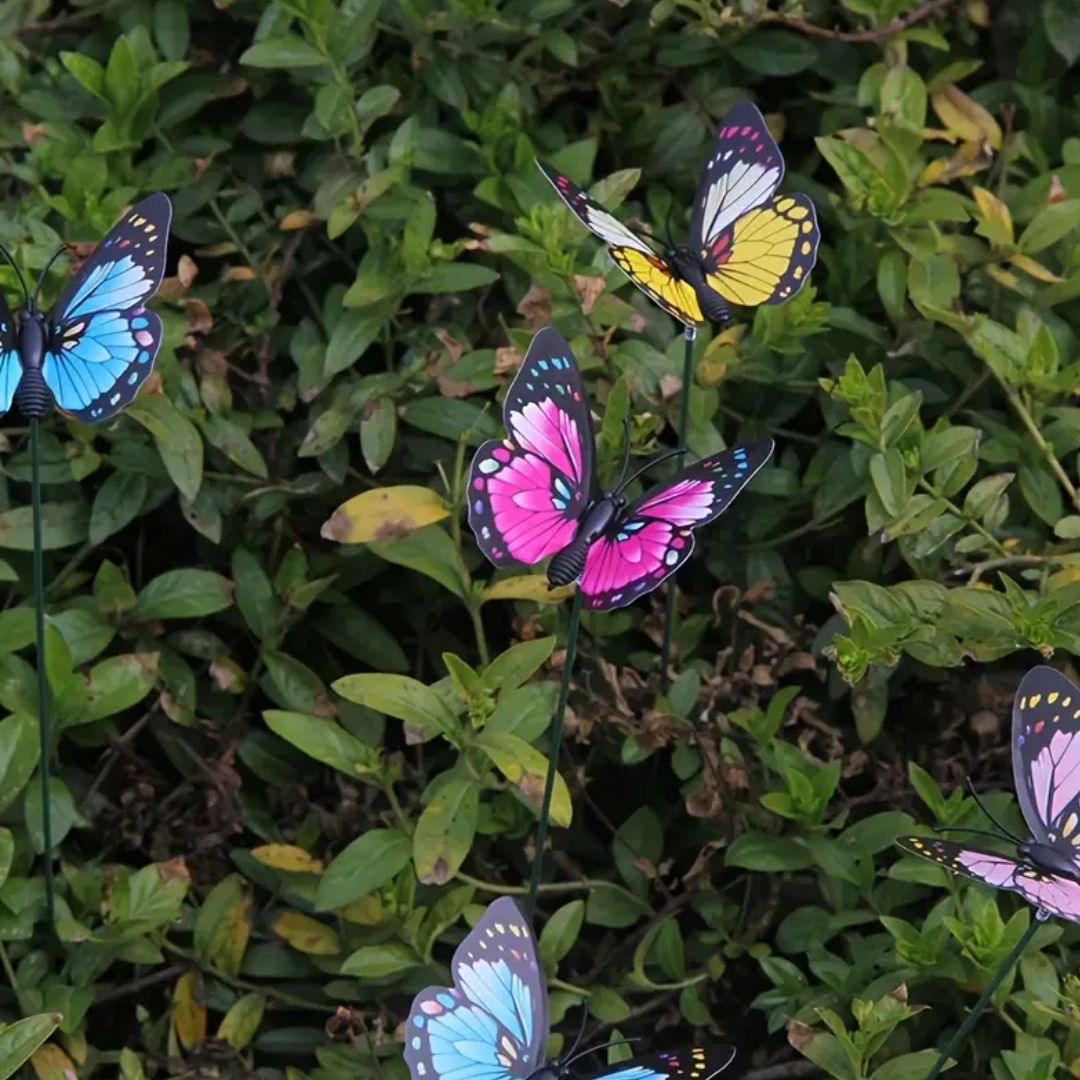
(300, 738)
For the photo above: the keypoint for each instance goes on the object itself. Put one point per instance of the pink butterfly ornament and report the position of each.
(534, 495)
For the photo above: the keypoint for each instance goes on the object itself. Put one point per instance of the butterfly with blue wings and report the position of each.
(90, 354)
(492, 1024)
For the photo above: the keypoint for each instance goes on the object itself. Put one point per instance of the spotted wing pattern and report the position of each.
(1048, 893)
(653, 537)
(102, 340)
(526, 492)
(493, 1023)
(687, 1063)
(646, 267)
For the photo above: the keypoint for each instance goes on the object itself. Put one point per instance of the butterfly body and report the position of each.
(534, 495)
(1049, 858)
(90, 353)
(691, 269)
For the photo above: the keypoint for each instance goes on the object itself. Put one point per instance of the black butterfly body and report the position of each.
(90, 354)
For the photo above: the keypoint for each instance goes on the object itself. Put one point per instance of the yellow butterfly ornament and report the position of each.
(747, 245)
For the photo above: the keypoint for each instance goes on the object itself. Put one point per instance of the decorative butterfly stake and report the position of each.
(1046, 772)
(88, 355)
(746, 246)
(492, 1024)
(535, 495)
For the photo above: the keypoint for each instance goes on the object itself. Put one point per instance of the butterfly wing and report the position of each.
(1051, 894)
(493, 1024)
(10, 365)
(527, 492)
(755, 247)
(687, 1063)
(1046, 757)
(653, 537)
(633, 254)
(102, 340)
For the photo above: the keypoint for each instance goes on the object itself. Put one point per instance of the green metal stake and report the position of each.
(44, 733)
(689, 334)
(965, 1029)
(553, 760)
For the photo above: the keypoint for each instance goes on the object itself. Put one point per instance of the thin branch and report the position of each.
(138, 985)
(856, 37)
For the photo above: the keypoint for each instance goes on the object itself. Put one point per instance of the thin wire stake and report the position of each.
(965, 1029)
(689, 334)
(44, 734)
(553, 760)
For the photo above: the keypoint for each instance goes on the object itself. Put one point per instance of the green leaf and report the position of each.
(184, 594)
(62, 525)
(755, 850)
(324, 740)
(233, 442)
(116, 504)
(451, 418)
(1051, 224)
(518, 664)
(406, 699)
(367, 864)
(429, 551)
(18, 755)
(354, 333)
(890, 480)
(526, 768)
(378, 430)
(560, 932)
(61, 809)
(445, 831)
(380, 961)
(456, 277)
(177, 440)
(286, 51)
(255, 595)
(776, 53)
(913, 1066)
(118, 683)
(19, 1040)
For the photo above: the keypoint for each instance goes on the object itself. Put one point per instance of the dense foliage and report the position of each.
(298, 745)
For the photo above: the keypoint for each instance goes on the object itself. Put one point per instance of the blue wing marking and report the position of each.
(637, 1072)
(464, 1045)
(113, 285)
(494, 987)
(10, 374)
(90, 362)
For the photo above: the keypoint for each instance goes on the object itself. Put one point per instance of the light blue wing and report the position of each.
(102, 341)
(10, 373)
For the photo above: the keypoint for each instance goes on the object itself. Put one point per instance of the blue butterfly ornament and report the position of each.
(90, 354)
(492, 1024)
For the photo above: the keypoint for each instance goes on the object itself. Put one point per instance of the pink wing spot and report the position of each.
(500, 453)
(761, 148)
(552, 434)
(683, 503)
(431, 1008)
(478, 483)
(678, 544)
(746, 130)
(1039, 726)
(144, 338)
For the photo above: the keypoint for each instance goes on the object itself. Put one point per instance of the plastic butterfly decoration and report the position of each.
(535, 494)
(492, 1024)
(746, 245)
(1046, 771)
(90, 354)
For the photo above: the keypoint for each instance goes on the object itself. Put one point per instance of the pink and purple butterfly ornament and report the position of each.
(492, 1024)
(534, 495)
(1046, 772)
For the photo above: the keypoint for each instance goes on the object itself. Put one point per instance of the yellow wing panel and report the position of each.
(654, 278)
(773, 249)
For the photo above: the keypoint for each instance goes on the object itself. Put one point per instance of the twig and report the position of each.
(861, 36)
(978, 569)
(138, 985)
(62, 22)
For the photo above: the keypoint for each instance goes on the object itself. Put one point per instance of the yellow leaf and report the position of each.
(51, 1063)
(365, 912)
(969, 159)
(1003, 277)
(296, 219)
(997, 224)
(306, 935)
(1033, 269)
(288, 857)
(240, 273)
(527, 587)
(188, 1011)
(384, 514)
(242, 1021)
(967, 118)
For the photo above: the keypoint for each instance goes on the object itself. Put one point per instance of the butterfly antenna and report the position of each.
(975, 795)
(597, 1049)
(581, 1030)
(15, 266)
(649, 464)
(45, 270)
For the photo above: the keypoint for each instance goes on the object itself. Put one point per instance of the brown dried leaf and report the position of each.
(589, 289)
(535, 305)
(507, 359)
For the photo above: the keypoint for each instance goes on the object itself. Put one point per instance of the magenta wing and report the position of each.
(653, 537)
(1049, 894)
(526, 492)
(1046, 758)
